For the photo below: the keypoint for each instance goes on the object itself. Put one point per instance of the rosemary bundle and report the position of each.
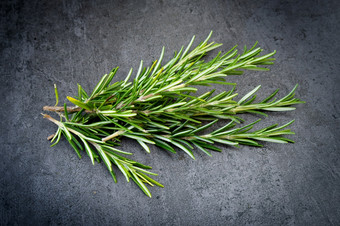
(159, 107)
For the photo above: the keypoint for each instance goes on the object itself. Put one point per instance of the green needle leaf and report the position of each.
(141, 185)
(103, 156)
(202, 149)
(139, 138)
(146, 148)
(249, 95)
(185, 149)
(88, 150)
(224, 141)
(56, 95)
(274, 140)
(78, 103)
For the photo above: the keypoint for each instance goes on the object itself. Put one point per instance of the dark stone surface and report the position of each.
(65, 42)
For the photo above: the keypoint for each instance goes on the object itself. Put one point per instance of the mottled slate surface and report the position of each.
(65, 42)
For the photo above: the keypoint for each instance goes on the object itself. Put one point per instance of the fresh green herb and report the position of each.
(159, 108)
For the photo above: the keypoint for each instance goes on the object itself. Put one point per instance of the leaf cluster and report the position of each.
(159, 107)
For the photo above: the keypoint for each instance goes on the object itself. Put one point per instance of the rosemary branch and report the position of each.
(160, 107)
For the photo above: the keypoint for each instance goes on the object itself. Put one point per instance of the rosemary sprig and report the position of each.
(160, 107)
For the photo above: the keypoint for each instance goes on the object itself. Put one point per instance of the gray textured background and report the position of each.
(65, 42)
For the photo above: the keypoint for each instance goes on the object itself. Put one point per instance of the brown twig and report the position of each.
(61, 109)
(50, 136)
